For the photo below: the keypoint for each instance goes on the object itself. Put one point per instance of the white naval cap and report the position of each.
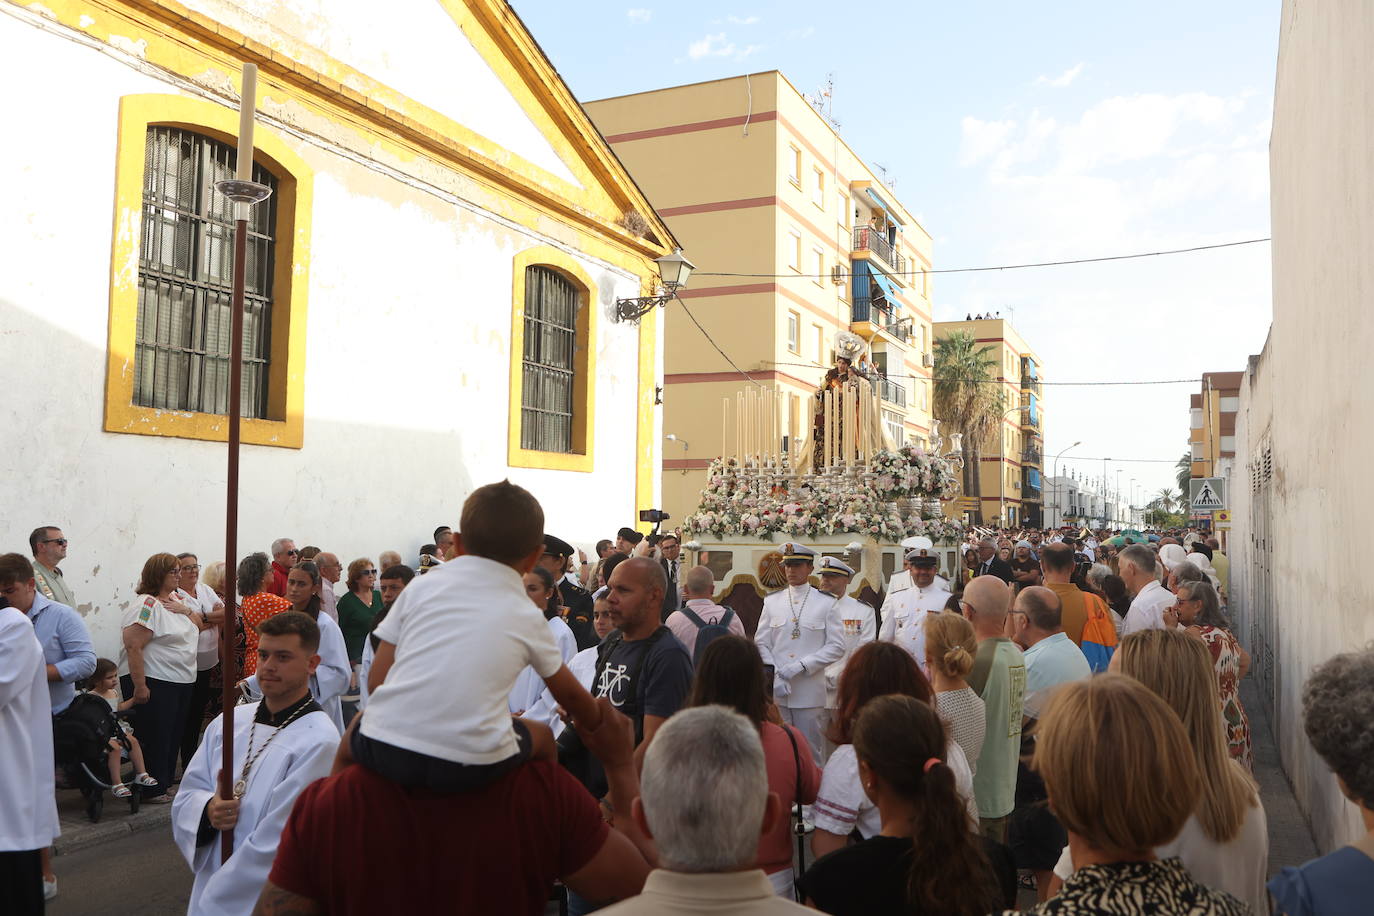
(798, 552)
(921, 549)
(833, 567)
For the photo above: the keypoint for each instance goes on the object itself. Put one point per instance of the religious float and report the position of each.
(844, 489)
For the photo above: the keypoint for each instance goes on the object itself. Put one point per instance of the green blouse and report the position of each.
(355, 619)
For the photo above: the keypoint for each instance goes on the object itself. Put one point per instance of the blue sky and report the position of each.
(1025, 132)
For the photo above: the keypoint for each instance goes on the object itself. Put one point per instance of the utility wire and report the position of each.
(971, 381)
(712, 341)
(967, 270)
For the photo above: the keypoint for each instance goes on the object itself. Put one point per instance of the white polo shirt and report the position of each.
(1147, 609)
(463, 633)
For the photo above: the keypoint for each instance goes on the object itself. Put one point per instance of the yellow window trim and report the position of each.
(290, 282)
(584, 378)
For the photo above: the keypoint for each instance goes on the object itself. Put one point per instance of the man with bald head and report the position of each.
(330, 570)
(1051, 657)
(999, 677)
(642, 668)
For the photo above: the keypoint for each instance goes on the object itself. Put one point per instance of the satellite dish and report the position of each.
(849, 345)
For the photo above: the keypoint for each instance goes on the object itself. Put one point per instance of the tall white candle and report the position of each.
(248, 100)
(724, 427)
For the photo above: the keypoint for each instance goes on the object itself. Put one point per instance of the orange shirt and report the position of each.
(256, 609)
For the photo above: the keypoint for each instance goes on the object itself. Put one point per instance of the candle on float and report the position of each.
(724, 427)
(829, 428)
(247, 106)
(739, 425)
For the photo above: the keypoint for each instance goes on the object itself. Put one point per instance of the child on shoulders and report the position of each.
(450, 651)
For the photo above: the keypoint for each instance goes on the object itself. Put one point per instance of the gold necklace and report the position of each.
(251, 758)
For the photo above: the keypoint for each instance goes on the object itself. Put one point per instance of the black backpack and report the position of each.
(83, 731)
(707, 633)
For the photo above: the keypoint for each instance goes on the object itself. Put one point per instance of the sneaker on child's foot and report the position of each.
(50, 887)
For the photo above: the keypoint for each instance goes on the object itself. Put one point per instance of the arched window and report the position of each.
(548, 405)
(185, 275)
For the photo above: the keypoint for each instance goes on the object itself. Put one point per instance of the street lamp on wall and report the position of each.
(673, 271)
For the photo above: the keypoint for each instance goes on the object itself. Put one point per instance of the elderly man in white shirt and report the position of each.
(1139, 569)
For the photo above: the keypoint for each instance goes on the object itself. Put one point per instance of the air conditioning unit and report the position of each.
(837, 275)
(928, 360)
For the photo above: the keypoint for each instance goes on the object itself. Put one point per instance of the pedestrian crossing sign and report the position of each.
(1207, 494)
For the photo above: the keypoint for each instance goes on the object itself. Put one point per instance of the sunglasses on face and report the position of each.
(292, 553)
(60, 542)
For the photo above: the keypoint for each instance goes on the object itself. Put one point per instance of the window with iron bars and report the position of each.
(546, 408)
(185, 279)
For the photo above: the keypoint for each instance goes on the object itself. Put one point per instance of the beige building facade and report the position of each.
(1300, 486)
(795, 240)
(1011, 464)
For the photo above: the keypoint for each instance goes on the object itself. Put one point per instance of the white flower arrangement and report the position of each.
(740, 500)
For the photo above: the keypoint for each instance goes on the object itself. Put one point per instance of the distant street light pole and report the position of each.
(1057, 508)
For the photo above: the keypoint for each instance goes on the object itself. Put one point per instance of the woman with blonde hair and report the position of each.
(950, 648)
(1225, 844)
(1124, 782)
(359, 605)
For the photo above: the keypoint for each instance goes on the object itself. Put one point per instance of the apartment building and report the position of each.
(1012, 457)
(1212, 421)
(795, 239)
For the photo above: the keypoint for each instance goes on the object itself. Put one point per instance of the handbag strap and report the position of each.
(798, 827)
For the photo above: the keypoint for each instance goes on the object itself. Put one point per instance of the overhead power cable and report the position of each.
(970, 381)
(968, 270)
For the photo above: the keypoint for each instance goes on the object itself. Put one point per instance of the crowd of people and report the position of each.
(510, 725)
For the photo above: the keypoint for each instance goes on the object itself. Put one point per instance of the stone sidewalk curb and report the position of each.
(79, 833)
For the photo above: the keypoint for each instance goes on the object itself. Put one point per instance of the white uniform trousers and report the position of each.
(810, 721)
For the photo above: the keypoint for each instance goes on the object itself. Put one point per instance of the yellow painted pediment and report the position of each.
(463, 79)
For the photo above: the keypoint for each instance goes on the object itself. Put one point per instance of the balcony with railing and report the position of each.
(866, 238)
(892, 392)
(1030, 417)
(879, 314)
(1030, 484)
(1030, 383)
(1032, 455)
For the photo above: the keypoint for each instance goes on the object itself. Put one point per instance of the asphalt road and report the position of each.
(143, 873)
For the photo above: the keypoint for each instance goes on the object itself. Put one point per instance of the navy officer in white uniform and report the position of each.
(906, 605)
(858, 620)
(800, 632)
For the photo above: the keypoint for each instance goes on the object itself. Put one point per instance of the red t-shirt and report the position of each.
(776, 847)
(357, 843)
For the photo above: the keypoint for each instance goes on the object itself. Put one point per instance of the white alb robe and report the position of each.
(332, 676)
(28, 808)
(302, 753)
(529, 686)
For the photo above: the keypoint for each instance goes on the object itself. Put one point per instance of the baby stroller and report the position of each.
(81, 743)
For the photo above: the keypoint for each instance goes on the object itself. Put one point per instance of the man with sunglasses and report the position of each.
(284, 555)
(49, 548)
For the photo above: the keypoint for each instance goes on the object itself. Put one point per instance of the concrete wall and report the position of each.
(1301, 486)
(406, 366)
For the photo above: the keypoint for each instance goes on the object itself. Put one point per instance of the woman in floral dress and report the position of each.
(1200, 611)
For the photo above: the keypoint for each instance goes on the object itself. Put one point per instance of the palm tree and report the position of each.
(1185, 471)
(1165, 500)
(967, 399)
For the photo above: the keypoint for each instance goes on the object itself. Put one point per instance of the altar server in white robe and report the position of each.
(332, 678)
(28, 810)
(799, 633)
(281, 745)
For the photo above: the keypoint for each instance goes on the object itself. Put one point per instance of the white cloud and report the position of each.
(799, 34)
(639, 15)
(741, 20)
(717, 45)
(1063, 79)
(982, 139)
(1125, 174)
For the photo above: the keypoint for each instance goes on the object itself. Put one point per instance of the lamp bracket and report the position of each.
(636, 308)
